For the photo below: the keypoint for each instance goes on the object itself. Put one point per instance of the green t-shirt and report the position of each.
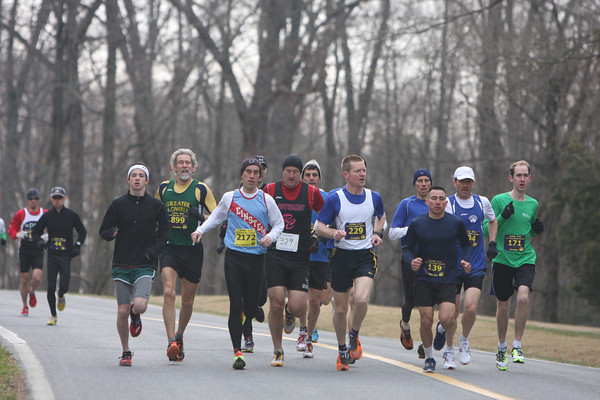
(514, 234)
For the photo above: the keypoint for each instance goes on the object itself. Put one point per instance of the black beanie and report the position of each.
(250, 161)
(293, 160)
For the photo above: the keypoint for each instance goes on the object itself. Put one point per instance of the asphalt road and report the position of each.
(78, 359)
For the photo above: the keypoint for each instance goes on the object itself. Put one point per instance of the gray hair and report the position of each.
(179, 152)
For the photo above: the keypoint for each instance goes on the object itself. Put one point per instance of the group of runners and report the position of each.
(300, 246)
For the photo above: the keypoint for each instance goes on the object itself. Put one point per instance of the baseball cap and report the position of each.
(58, 191)
(33, 193)
(464, 173)
(262, 160)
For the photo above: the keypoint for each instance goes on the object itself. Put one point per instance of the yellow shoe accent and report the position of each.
(52, 321)
(61, 303)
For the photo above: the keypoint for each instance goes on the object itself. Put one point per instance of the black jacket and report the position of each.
(60, 230)
(143, 229)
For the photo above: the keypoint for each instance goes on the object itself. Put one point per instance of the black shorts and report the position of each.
(506, 279)
(30, 258)
(287, 272)
(185, 260)
(428, 294)
(346, 265)
(469, 281)
(317, 275)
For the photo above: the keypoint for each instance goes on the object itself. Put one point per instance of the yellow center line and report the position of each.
(439, 377)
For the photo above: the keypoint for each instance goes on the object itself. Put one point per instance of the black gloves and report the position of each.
(508, 210)
(2, 241)
(537, 226)
(223, 231)
(195, 212)
(492, 250)
(314, 245)
(76, 250)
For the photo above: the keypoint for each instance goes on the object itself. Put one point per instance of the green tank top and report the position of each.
(178, 207)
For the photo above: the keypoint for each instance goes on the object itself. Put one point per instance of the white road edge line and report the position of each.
(34, 372)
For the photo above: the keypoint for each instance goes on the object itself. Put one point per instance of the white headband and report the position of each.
(138, 166)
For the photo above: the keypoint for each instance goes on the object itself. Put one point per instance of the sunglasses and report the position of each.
(33, 198)
(57, 197)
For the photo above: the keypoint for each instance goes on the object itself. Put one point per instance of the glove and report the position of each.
(21, 234)
(314, 245)
(508, 210)
(537, 226)
(45, 237)
(492, 251)
(2, 241)
(223, 231)
(221, 244)
(76, 250)
(195, 212)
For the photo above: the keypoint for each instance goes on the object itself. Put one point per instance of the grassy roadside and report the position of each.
(12, 381)
(546, 341)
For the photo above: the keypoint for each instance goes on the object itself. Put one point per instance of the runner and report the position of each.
(472, 209)
(358, 216)
(407, 210)
(60, 222)
(318, 265)
(248, 346)
(431, 251)
(30, 256)
(139, 223)
(186, 200)
(514, 267)
(287, 261)
(249, 212)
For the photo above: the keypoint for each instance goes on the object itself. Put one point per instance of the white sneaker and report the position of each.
(449, 360)
(309, 351)
(464, 354)
(301, 343)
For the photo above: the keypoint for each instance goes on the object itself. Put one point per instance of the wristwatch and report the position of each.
(379, 233)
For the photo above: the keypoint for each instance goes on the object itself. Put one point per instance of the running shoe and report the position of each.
(260, 315)
(449, 362)
(517, 355)
(355, 348)
(175, 350)
(238, 361)
(52, 321)
(308, 353)
(32, 300)
(421, 351)
(290, 322)
(440, 338)
(429, 365)
(277, 358)
(302, 339)
(135, 326)
(248, 346)
(405, 337)
(126, 359)
(315, 336)
(25, 311)
(342, 361)
(61, 303)
(464, 354)
(501, 360)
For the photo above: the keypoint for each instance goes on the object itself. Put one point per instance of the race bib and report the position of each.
(514, 243)
(58, 244)
(473, 236)
(355, 231)
(435, 268)
(288, 242)
(179, 220)
(245, 237)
